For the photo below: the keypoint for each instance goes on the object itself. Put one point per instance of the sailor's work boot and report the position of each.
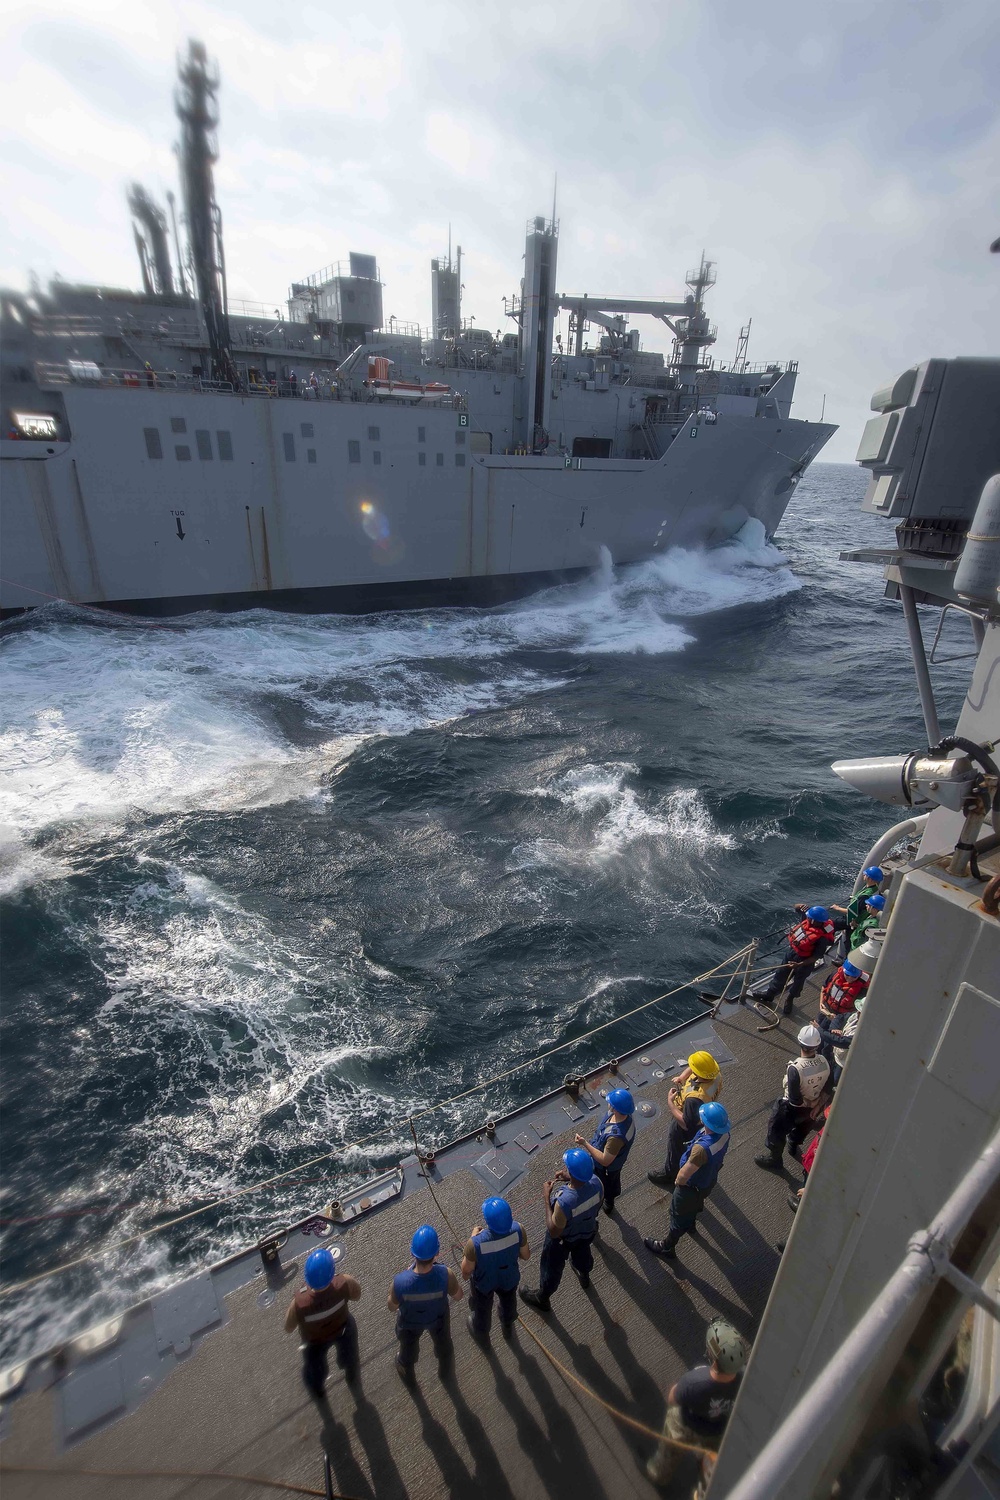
(768, 1160)
(663, 1248)
(533, 1298)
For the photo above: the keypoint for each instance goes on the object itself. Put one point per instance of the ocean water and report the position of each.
(270, 884)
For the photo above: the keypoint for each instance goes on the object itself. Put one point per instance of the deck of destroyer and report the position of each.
(226, 1398)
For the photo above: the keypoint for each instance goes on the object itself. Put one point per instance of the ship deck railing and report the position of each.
(170, 382)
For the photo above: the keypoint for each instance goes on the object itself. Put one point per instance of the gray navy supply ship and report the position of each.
(168, 450)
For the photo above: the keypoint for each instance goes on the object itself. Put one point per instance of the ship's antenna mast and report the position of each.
(197, 112)
(740, 362)
(171, 201)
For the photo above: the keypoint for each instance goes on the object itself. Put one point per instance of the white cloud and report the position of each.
(839, 163)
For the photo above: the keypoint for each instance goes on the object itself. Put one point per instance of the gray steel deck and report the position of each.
(508, 1425)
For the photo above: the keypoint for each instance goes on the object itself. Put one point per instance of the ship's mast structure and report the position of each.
(149, 225)
(199, 116)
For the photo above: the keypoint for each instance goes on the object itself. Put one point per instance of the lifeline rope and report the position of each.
(621, 1416)
(256, 1187)
(274, 1484)
(79, 604)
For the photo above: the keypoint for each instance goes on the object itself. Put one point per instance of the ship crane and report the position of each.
(685, 319)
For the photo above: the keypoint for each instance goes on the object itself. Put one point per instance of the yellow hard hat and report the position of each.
(703, 1065)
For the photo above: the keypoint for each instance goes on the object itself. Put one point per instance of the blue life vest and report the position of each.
(422, 1298)
(623, 1130)
(497, 1260)
(716, 1146)
(580, 1205)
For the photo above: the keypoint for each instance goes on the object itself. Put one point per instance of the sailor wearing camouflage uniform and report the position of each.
(699, 1404)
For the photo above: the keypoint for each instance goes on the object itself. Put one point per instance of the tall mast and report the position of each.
(198, 115)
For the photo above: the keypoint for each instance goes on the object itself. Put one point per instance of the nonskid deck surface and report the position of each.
(508, 1424)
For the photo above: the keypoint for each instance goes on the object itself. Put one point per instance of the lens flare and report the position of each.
(377, 528)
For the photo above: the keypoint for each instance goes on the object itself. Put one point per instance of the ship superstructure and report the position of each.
(172, 449)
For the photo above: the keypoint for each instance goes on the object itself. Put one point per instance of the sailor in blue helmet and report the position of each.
(572, 1204)
(321, 1315)
(807, 941)
(854, 912)
(696, 1177)
(491, 1260)
(611, 1143)
(874, 909)
(419, 1298)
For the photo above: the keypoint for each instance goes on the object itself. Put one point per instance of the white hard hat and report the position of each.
(809, 1036)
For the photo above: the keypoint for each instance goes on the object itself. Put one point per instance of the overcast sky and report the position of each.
(838, 160)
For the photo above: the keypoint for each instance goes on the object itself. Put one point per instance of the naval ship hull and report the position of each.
(166, 502)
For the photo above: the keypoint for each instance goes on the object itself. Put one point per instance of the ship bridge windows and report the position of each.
(592, 447)
(154, 448)
(354, 451)
(225, 442)
(288, 438)
(376, 456)
(459, 438)
(311, 455)
(440, 460)
(422, 460)
(306, 430)
(459, 460)
(178, 424)
(203, 439)
(374, 434)
(182, 453)
(421, 434)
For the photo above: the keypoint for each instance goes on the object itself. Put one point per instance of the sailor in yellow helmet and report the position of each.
(697, 1084)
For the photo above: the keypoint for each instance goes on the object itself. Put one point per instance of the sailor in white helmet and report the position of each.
(792, 1117)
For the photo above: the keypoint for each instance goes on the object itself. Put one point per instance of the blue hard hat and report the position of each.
(873, 872)
(876, 902)
(622, 1101)
(850, 970)
(319, 1269)
(714, 1118)
(818, 914)
(579, 1163)
(425, 1243)
(497, 1215)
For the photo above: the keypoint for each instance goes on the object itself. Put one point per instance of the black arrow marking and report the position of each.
(180, 530)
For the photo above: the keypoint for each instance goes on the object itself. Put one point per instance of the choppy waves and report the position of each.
(276, 881)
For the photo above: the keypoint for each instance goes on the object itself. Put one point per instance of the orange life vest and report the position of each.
(805, 938)
(840, 992)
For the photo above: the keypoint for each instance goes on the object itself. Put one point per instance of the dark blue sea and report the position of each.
(271, 883)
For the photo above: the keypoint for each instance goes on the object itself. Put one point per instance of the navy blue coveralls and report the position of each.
(498, 1269)
(611, 1177)
(688, 1198)
(581, 1204)
(423, 1303)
